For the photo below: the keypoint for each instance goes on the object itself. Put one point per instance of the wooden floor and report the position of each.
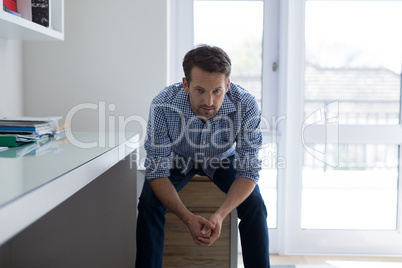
(331, 260)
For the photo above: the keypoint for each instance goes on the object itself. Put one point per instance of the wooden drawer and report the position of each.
(202, 197)
(190, 257)
(201, 192)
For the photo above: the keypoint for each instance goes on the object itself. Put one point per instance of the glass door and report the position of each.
(348, 190)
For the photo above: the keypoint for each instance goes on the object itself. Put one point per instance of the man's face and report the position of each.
(206, 91)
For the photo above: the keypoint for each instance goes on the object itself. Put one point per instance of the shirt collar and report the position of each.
(182, 102)
(227, 105)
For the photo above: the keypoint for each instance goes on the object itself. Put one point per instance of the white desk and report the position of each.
(49, 201)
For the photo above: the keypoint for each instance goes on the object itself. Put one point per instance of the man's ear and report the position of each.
(227, 85)
(185, 85)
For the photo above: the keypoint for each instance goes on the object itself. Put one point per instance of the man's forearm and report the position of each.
(238, 192)
(167, 194)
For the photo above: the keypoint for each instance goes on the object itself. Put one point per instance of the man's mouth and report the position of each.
(207, 108)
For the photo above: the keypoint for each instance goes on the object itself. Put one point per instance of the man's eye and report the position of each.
(217, 91)
(198, 90)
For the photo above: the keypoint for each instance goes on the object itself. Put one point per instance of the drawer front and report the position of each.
(202, 197)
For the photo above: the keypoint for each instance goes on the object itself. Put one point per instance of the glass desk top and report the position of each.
(33, 166)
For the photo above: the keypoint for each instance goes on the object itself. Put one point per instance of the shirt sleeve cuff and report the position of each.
(251, 176)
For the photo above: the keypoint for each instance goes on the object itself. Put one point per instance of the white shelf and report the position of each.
(17, 28)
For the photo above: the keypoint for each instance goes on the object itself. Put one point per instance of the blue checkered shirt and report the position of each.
(177, 138)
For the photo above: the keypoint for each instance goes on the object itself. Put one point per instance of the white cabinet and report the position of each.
(18, 28)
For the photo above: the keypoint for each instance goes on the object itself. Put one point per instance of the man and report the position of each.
(209, 126)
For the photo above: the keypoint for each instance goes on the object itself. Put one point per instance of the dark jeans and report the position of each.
(151, 221)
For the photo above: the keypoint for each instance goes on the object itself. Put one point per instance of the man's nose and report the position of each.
(208, 100)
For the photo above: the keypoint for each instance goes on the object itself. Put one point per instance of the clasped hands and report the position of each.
(203, 231)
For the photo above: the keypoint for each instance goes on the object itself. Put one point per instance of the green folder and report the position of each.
(14, 140)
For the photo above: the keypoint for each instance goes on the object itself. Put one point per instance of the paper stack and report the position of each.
(15, 131)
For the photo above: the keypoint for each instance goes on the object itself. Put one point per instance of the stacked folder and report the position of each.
(31, 127)
(15, 131)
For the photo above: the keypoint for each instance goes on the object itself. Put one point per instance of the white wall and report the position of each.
(11, 103)
(114, 52)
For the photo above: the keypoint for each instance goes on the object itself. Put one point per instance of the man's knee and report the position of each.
(148, 200)
(253, 204)
(255, 199)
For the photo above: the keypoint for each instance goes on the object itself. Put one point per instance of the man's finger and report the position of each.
(202, 241)
(205, 230)
(208, 224)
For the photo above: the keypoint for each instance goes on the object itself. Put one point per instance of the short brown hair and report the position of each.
(209, 59)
